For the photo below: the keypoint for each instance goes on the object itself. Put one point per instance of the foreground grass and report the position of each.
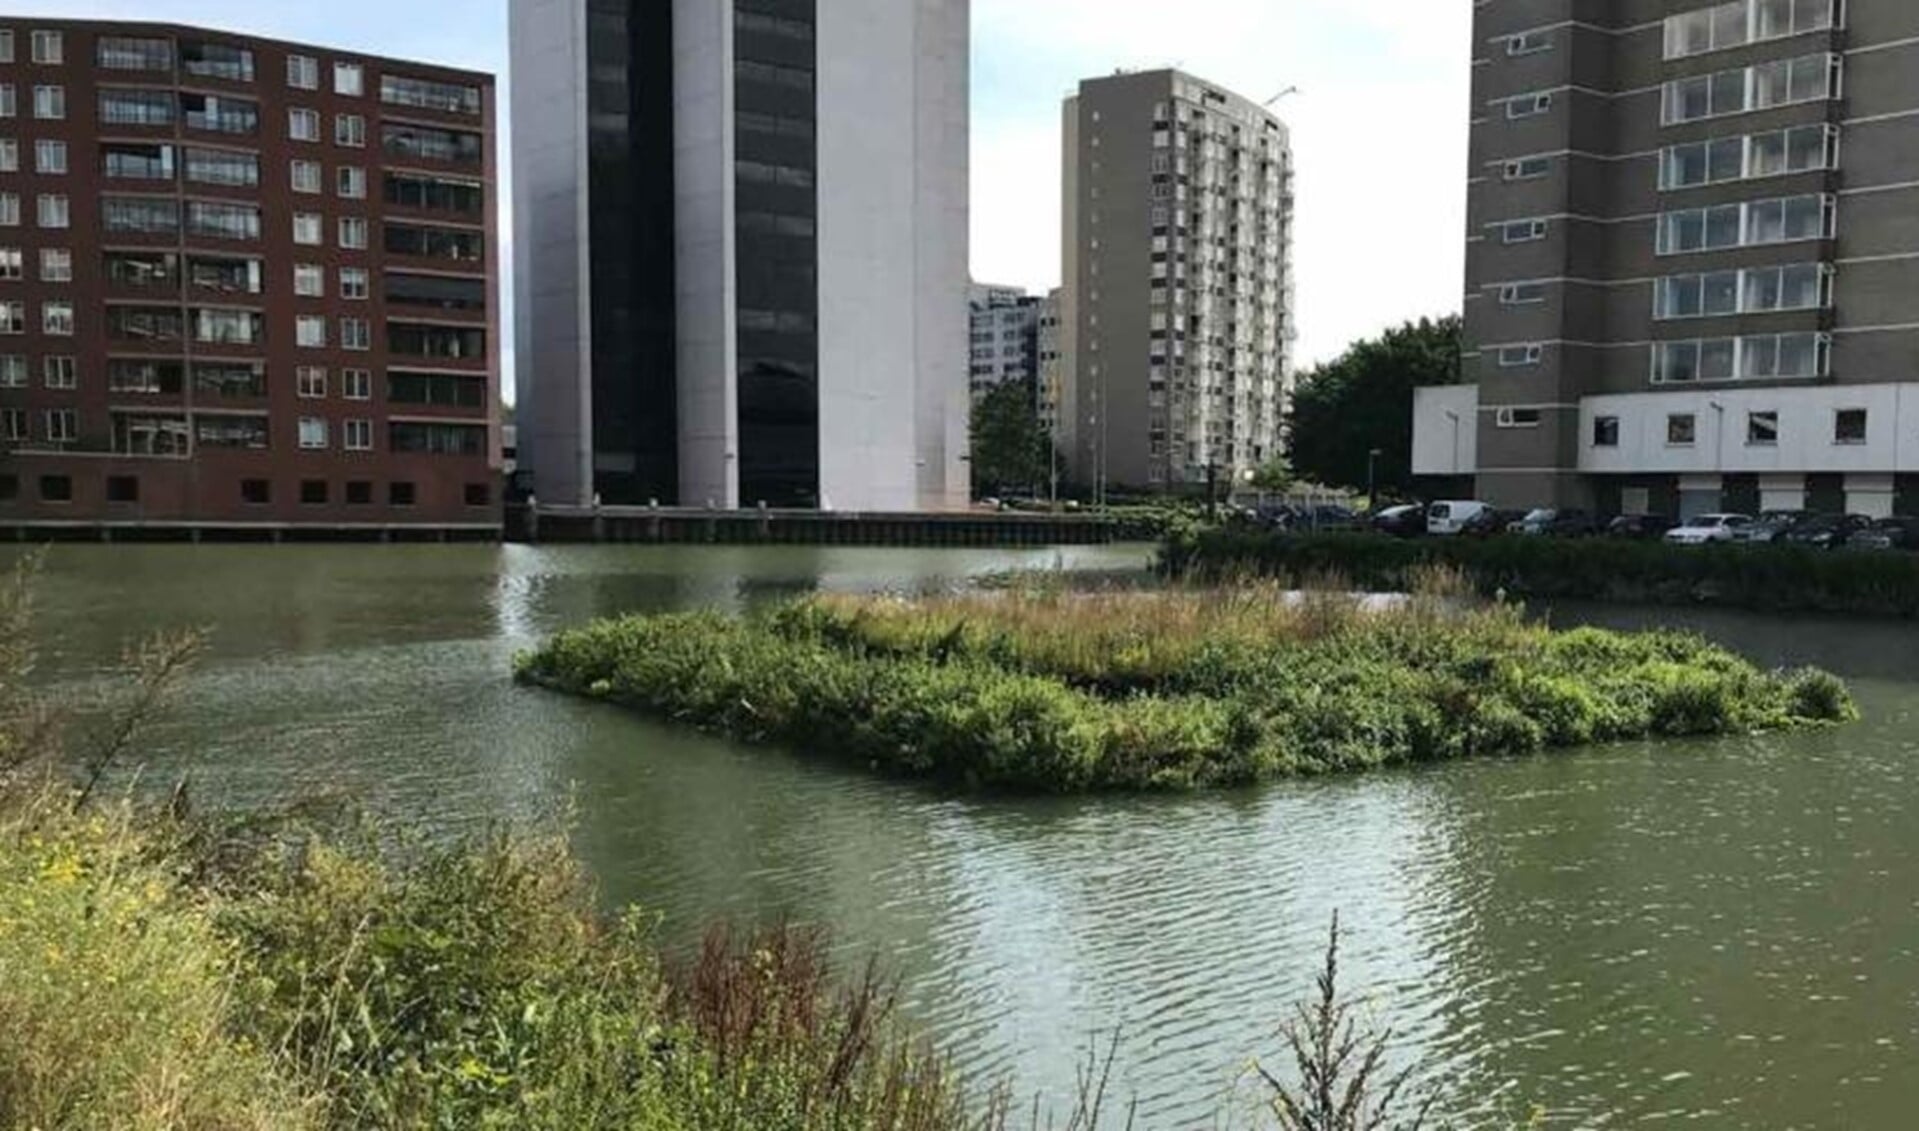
(1047, 690)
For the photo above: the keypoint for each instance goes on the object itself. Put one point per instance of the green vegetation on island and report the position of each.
(1039, 689)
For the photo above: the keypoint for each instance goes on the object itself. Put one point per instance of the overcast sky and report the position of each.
(1379, 130)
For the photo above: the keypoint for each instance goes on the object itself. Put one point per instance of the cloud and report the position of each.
(1379, 135)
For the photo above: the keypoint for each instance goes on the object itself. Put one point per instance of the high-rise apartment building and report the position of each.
(1052, 372)
(243, 284)
(1692, 259)
(1004, 335)
(1177, 314)
(743, 251)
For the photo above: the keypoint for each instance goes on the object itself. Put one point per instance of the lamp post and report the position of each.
(1372, 479)
(1454, 417)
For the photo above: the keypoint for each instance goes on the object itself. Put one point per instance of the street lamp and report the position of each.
(1372, 479)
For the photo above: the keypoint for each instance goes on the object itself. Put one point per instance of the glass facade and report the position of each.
(778, 252)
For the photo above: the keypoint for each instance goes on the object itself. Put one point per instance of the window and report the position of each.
(50, 157)
(56, 489)
(256, 492)
(359, 492)
(128, 375)
(220, 114)
(310, 331)
(1605, 431)
(440, 390)
(309, 280)
(426, 95)
(353, 233)
(313, 432)
(399, 493)
(6, 46)
(424, 143)
(49, 48)
(1517, 418)
(1528, 43)
(443, 292)
(222, 167)
(232, 432)
(1784, 220)
(223, 221)
(313, 492)
(13, 317)
(303, 125)
(1762, 429)
(145, 324)
(228, 327)
(433, 243)
(1528, 168)
(123, 489)
(357, 436)
(63, 426)
(1781, 82)
(349, 130)
(356, 334)
(223, 380)
(306, 176)
(50, 102)
(1756, 290)
(307, 230)
(1522, 231)
(125, 53)
(352, 182)
(146, 434)
(303, 72)
(136, 107)
(53, 211)
(1762, 356)
(1740, 22)
(1522, 294)
(9, 105)
(13, 425)
(56, 265)
(56, 319)
(349, 79)
(356, 384)
(9, 209)
(353, 282)
(13, 371)
(9, 155)
(59, 372)
(216, 61)
(1529, 105)
(1849, 426)
(12, 264)
(1682, 430)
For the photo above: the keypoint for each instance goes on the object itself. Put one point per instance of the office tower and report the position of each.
(1004, 333)
(743, 241)
(1177, 314)
(1691, 260)
(243, 284)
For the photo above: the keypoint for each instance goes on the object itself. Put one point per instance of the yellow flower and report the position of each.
(63, 870)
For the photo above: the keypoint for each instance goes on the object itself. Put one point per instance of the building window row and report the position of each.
(1750, 224)
(1850, 427)
(1741, 22)
(56, 318)
(1762, 86)
(1752, 357)
(1755, 290)
(60, 372)
(1775, 153)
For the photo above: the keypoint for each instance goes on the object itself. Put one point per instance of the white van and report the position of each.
(1451, 517)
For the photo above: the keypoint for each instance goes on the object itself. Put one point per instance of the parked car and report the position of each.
(1887, 534)
(1639, 527)
(1771, 526)
(1324, 518)
(1408, 521)
(1826, 531)
(1708, 528)
(1450, 517)
(1490, 523)
(1555, 523)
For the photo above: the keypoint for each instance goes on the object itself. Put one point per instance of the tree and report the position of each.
(1274, 477)
(1364, 400)
(1009, 448)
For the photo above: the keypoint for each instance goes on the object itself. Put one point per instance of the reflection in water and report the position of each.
(1722, 932)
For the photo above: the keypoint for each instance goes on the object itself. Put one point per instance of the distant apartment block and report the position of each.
(243, 284)
(1003, 331)
(1691, 259)
(743, 251)
(1052, 370)
(1176, 319)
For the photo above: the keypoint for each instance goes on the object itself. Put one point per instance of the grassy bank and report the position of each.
(1049, 691)
(1762, 578)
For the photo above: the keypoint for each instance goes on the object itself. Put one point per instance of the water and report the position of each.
(1718, 933)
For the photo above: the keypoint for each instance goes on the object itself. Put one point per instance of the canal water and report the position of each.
(1718, 933)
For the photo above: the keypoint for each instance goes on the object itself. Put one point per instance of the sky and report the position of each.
(1379, 127)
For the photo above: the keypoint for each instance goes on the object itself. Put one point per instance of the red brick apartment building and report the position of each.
(245, 286)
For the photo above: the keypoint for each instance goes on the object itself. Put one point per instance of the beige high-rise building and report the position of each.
(1176, 329)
